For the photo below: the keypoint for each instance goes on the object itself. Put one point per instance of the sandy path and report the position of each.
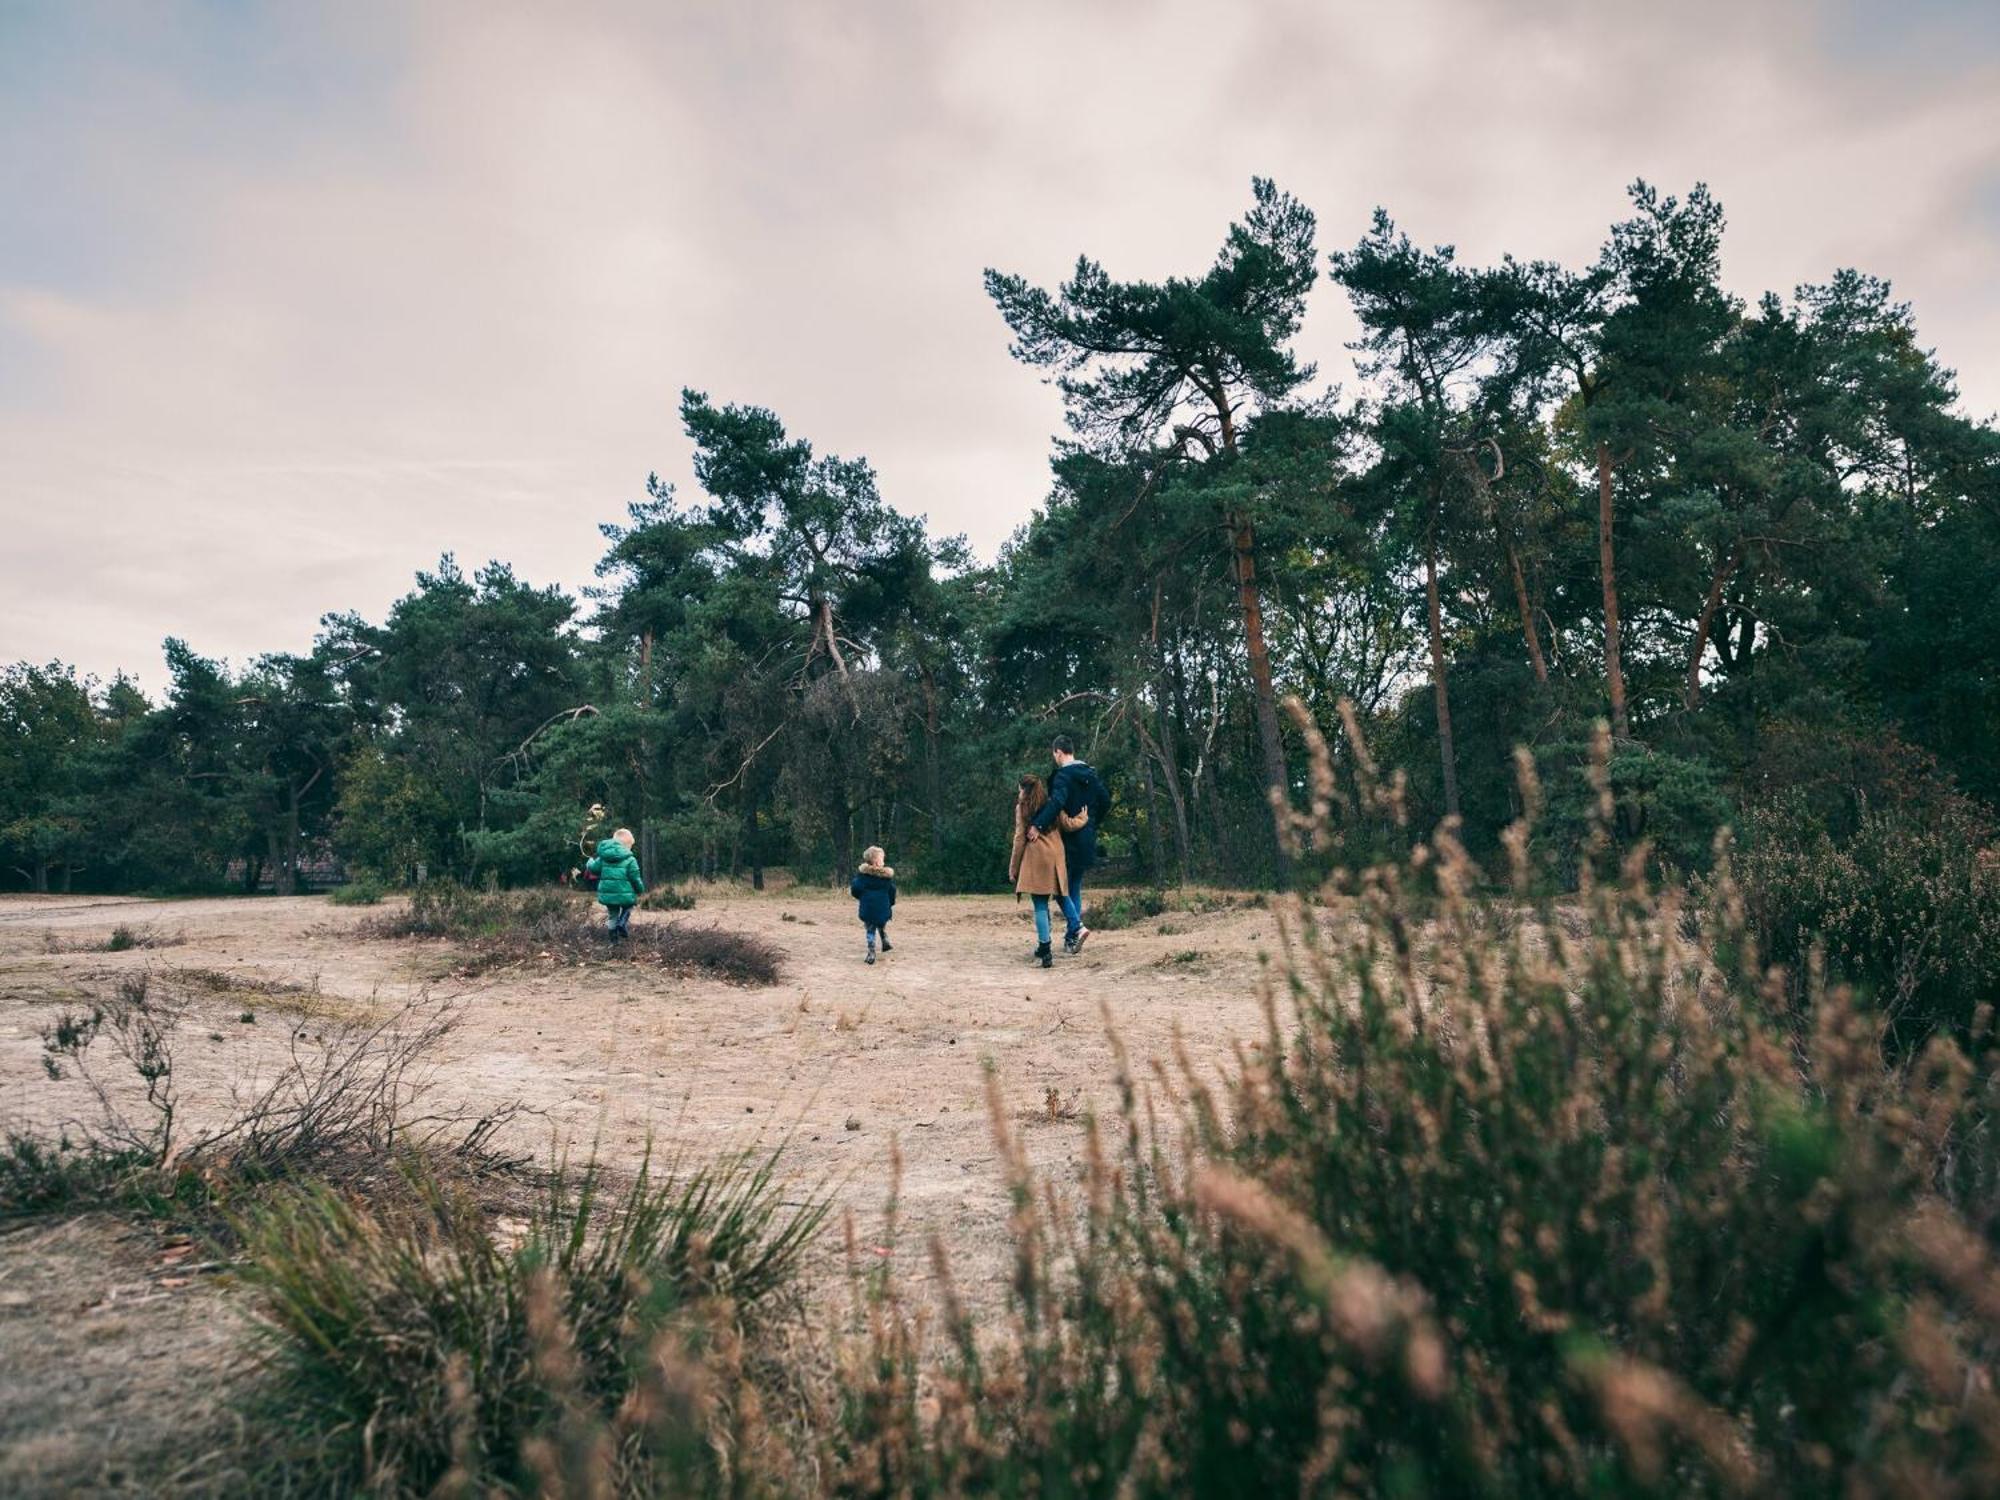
(615, 1053)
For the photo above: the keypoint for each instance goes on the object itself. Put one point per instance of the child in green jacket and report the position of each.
(619, 884)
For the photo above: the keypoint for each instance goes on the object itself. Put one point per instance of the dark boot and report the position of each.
(1044, 957)
(886, 946)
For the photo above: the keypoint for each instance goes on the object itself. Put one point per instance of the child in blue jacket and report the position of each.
(874, 889)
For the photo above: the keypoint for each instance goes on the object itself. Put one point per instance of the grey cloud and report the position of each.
(447, 299)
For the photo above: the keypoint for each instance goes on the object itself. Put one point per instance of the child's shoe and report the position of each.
(886, 945)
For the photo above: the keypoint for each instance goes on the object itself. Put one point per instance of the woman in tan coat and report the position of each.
(1036, 866)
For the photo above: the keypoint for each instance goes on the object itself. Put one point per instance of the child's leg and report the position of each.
(884, 930)
(1041, 919)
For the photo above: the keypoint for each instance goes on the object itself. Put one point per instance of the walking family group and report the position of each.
(1055, 845)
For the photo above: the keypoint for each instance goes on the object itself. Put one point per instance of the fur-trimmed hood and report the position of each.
(887, 872)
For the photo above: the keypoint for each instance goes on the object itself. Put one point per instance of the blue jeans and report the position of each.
(616, 918)
(1041, 919)
(1073, 903)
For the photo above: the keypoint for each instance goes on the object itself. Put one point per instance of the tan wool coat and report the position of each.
(1037, 867)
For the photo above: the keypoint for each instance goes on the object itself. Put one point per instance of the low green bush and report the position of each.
(668, 898)
(362, 890)
(1669, 805)
(1126, 908)
(56, 1175)
(125, 937)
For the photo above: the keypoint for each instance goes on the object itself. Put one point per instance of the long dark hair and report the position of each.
(1029, 800)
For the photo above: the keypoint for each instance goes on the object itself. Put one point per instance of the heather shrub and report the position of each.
(447, 909)
(339, 1110)
(492, 929)
(1524, 1199)
(602, 1352)
(1902, 904)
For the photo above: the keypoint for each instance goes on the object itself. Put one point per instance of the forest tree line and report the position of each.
(1760, 540)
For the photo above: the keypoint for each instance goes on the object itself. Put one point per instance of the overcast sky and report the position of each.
(295, 298)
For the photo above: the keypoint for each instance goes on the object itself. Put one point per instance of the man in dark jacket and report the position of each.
(1076, 787)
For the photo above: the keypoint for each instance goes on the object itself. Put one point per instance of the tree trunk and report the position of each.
(1204, 799)
(1243, 546)
(841, 819)
(288, 868)
(1155, 843)
(41, 875)
(1491, 507)
(647, 844)
(1527, 609)
(1447, 753)
(823, 608)
(69, 874)
(1702, 626)
(756, 849)
(1170, 771)
(1218, 831)
(1614, 669)
(933, 771)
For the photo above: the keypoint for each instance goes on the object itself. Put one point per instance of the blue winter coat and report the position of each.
(875, 889)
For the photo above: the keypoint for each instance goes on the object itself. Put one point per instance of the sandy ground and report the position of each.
(839, 1058)
(118, 1345)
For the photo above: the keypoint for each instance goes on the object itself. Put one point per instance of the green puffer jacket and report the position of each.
(617, 872)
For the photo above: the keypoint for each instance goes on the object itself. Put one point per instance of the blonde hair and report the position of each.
(624, 836)
(875, 854)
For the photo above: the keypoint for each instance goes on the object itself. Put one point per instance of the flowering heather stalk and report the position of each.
(1518, 1196)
